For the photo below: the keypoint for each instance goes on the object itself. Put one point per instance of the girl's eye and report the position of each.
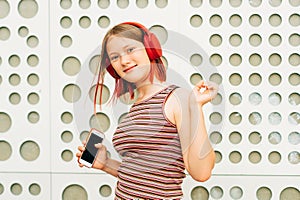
(130, 50)
(114, 58)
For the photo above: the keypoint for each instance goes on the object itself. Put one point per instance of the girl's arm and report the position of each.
(198, 154)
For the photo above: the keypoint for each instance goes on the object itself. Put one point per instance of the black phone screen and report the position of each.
(90, 150)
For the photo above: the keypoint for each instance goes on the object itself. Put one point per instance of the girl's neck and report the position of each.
(147, 88)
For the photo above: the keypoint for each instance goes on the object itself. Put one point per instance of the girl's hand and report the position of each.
(101, 158)
(203, 92)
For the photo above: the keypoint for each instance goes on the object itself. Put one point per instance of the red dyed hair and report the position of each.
(122, 86)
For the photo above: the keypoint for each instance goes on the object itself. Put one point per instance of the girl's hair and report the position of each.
(122, 86)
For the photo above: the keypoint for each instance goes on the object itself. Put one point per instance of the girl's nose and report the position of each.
(125, 59)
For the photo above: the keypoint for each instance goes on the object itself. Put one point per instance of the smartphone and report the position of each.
(89, 154)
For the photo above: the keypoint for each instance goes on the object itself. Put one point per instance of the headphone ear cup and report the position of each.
(111, 70)
(152, 46)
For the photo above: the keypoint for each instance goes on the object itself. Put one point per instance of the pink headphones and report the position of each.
(151, 43)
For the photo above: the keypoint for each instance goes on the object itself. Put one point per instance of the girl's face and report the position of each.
(129, 58)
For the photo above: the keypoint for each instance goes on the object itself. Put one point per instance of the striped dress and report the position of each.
(152, 164)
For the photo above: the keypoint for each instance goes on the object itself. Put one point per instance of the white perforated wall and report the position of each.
(48, 59)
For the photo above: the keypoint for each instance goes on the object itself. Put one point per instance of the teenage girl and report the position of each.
(164, 132)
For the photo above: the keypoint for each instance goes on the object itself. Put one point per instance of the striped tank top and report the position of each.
(152, 164)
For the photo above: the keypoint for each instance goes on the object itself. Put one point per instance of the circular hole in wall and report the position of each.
(104, 96)
(215, 118)
(105, 190)
(216, 192)
(66, 22)
(274, 157)
(29, 150)
(34, 189)
(274, 118)
(14, 60)
(94, 63)
(66, 136)
(215, 20)
(16, 189)
(74, 191)
(235, 137)
(66, 41)
(142, 3)
(255, 137)
(255, 59)
(294, 99)
(4, 33)
(84, 4)
(255, 118)
(14, 98)
(215, 59)
(32, 41)
(255, 79)
(33, 60)
(289, 193)
(255, 98)
(219, 156)
(33, 117)
(100, 121)
(254, 157)
(4, 9)
(235, 40)
(33, 79)
(294, 157)
(255, 3)
(5, 122)
(71, 93)
(235, 59)
(217, 100)
(236, 192)
(14, 79)
(196, 59)
(123, 3)
(274, 99)
(294, 138)
(235, 3)
(84, 22)
(215, 40)
(215, 77)
(33, 98)
(275, 20)
(103, 4)
(161, 3)
(294, 39)
(103, 21)
(67, 155)
(264, 193)
(65, 4)
(274, 137)
(160, 32)
(215, 137)
(235, 20)
(235, 98)
(294, 118)
(294, 59)
(199, 192)
(5, 150)
(255, 40)
(195, 78)
(1, 189)
(275, 40)
(235, 79)
(235, 157)
(215, 3)
(294, 79)
(196, 20)
(66, 117)
(28, 8)
(196, 3)
(294, 20)
(255, 20)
